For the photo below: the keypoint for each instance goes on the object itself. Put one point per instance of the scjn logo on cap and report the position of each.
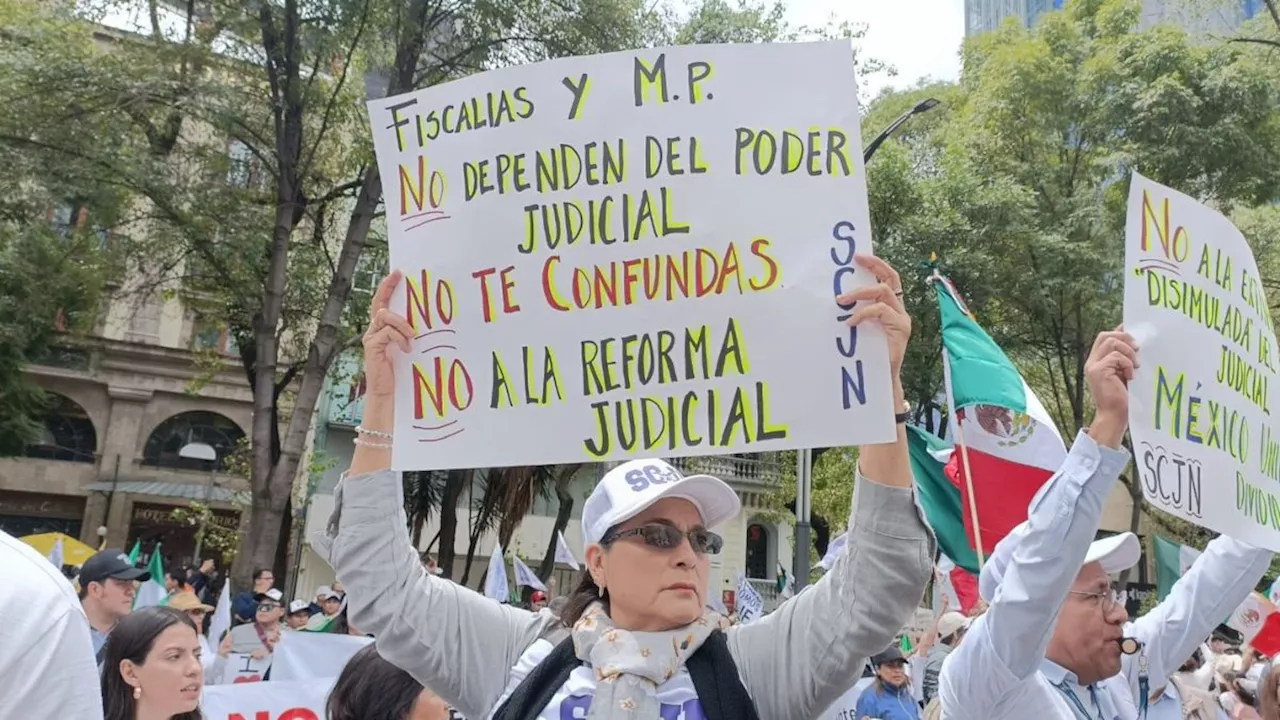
(641, 478)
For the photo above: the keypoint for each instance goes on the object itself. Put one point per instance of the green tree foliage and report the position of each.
(1018, 182)
(55, 229)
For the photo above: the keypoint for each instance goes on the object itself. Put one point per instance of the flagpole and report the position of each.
(964, 456)
(955, 414)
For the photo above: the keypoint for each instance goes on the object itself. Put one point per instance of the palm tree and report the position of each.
(423, 493)
(509, 496)
(564, 474)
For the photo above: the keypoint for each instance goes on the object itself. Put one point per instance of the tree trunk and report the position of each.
(480, 523)
(458, 481)
(564, 512)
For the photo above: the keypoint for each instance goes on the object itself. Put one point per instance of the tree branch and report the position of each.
(305, 169)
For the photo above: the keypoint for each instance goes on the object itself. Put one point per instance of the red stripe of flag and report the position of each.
(1004, 490)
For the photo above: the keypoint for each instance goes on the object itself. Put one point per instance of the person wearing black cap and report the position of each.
(108, 582)
(889, 697)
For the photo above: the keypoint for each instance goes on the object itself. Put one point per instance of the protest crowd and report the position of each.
(891, 624)
(636, 637)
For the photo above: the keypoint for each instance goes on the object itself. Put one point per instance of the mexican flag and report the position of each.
(939, 498)
(959, 585)
(135, 553)
(151, 592)
(1012, 444)
(1173, 560)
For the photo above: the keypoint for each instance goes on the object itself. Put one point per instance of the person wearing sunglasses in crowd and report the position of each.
(1056, 639)
(635, 640)
(257, 639)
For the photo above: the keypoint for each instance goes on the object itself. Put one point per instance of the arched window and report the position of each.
(758, 552)
(68, 433)
(164, 447)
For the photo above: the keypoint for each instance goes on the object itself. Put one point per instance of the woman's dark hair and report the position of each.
(1268, 703)
(371, 688)
(581, 598)
(132, 639)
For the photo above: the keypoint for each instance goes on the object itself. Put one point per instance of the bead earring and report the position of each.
(137, 693)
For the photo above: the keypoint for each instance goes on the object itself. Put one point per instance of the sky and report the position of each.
(919, 37)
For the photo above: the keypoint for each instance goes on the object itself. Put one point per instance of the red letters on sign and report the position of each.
(298, 713)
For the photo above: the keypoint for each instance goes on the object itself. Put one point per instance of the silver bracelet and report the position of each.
(365, 443)
(362, 430)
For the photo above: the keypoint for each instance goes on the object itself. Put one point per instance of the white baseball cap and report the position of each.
(628, 489)
(1116, 553)
(299, 606)
(270, 594)
(950, 622)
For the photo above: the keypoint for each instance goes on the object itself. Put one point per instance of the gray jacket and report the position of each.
(794, 662)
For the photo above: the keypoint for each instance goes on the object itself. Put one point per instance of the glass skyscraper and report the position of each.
(986, 15)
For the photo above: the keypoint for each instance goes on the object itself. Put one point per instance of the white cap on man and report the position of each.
(1116, 553)
(630, 488)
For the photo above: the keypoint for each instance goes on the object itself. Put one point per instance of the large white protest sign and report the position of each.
(302, 655)
(632, 254)
(296, 700)
(1206, 445)
(244, 668)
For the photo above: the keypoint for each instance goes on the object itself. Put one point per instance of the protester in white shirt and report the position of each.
(1001, 671)
(1080, 669)
(47, 668)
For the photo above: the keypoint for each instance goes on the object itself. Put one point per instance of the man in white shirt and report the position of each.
(1050, 642)
(46, 658)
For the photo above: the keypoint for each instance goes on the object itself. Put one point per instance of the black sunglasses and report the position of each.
(267, 607)
(665, 537)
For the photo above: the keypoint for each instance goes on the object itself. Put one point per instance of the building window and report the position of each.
(207, 337)
(758, 552)
(144, 323)
(370, 270)
(164, 447)
(245, 170)
(68, 434)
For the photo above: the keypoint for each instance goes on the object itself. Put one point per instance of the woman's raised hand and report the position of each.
(386, 328)
(883, 302)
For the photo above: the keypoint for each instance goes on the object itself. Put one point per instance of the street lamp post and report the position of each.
(804, 457)
(922, 107)
(206, 453)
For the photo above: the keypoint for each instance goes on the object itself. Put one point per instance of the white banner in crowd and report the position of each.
(749, 606)
(495, 581)
(632, 254)
(524, 576)
(563, 553)
(1205, 441)
(307, 655)
(244, 668)
(296, 700)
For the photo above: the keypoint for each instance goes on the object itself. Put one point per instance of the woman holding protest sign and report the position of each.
(634, 641)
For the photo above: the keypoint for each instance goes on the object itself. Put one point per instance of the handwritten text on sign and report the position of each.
(632, 254)
(1206, 442)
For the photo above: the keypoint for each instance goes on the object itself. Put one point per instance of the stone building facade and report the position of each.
(116, 456)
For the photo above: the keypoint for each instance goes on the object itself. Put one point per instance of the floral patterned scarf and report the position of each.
(629, 666)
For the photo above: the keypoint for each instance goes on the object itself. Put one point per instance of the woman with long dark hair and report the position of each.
(371, 688)
(633, 641)
(151, 669)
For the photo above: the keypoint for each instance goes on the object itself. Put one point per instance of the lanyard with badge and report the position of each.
(1070, 695)
(1144, 687)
